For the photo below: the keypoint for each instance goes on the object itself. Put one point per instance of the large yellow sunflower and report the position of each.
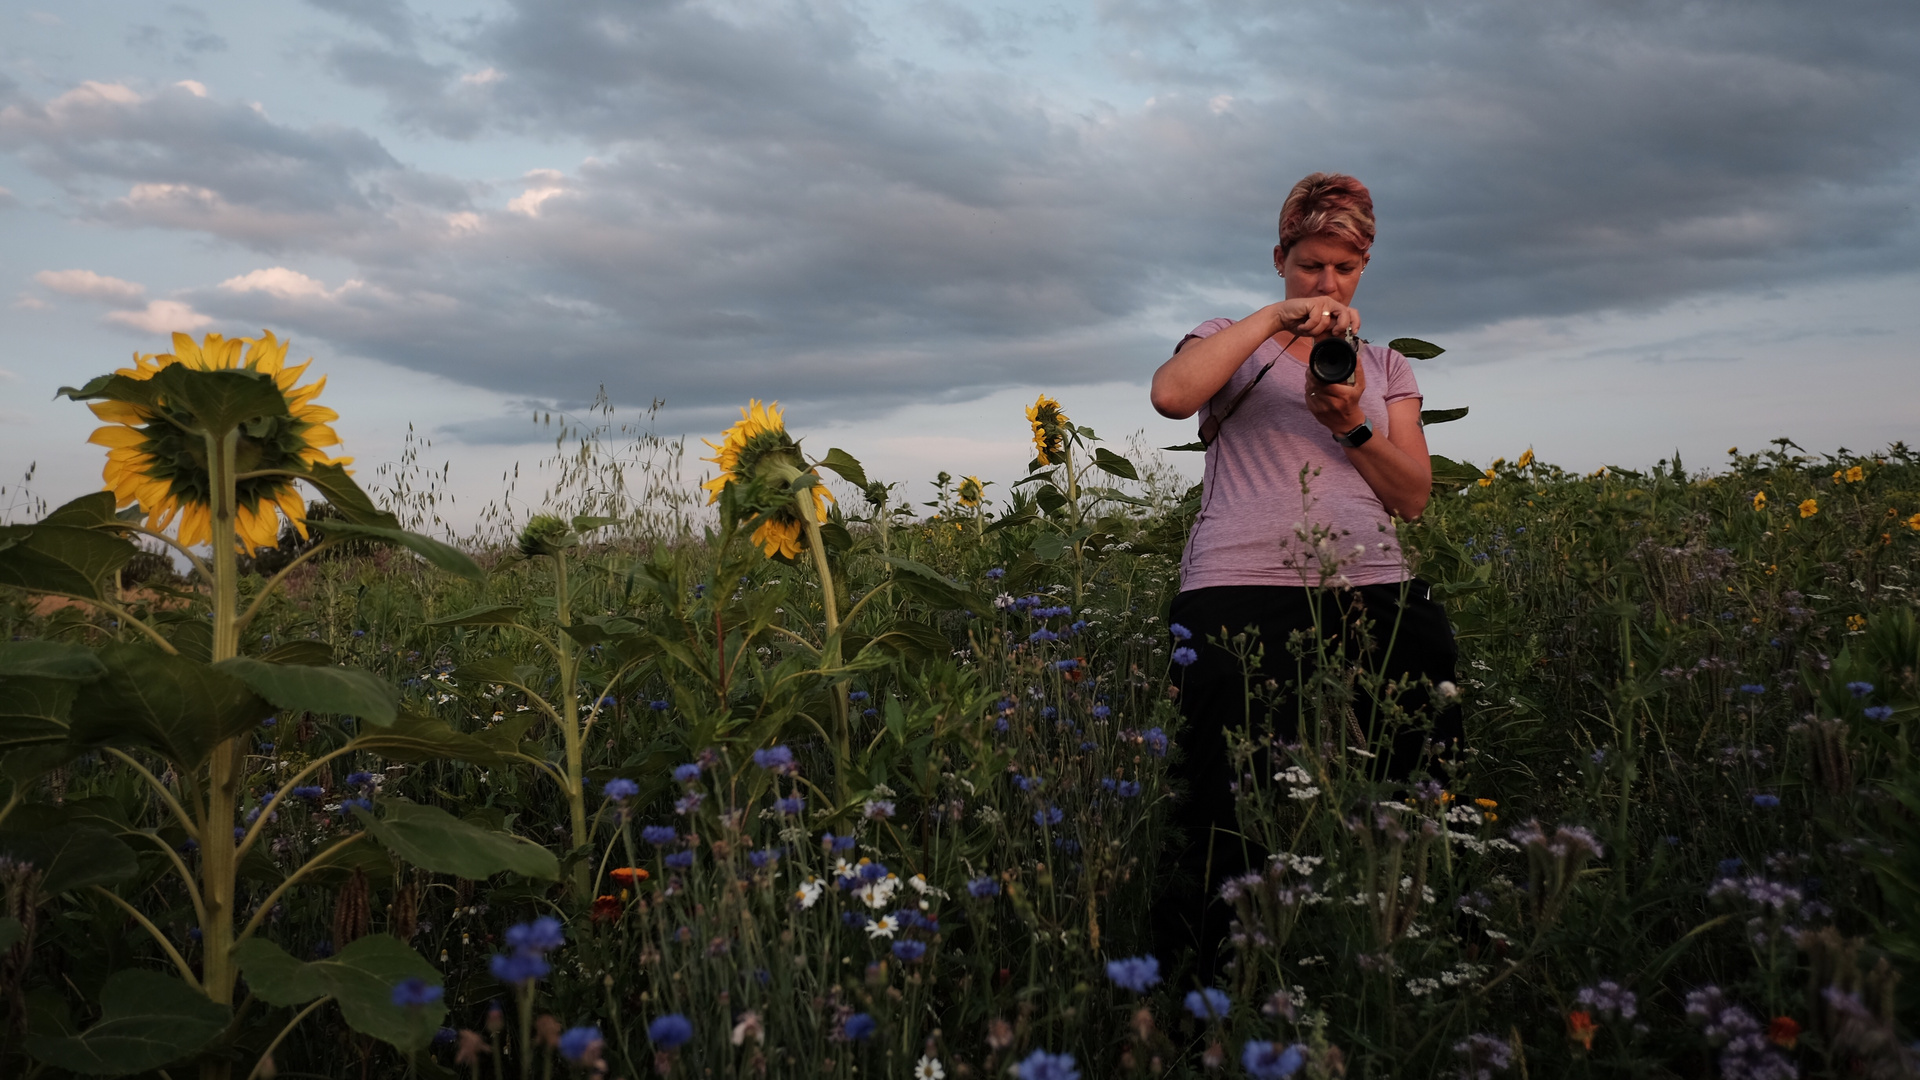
(971, 491)
(1049, 430)
(758, 445)
(155, 460)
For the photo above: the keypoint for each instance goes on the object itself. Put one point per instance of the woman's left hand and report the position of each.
(1337, 405)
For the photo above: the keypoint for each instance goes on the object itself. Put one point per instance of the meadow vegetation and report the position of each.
(809, 781)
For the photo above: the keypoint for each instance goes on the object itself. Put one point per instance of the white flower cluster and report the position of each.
(1300, 781)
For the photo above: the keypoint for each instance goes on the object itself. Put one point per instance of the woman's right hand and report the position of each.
(1316, 317)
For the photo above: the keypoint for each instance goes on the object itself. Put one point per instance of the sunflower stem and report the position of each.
(830, 656)
(570, 719)
(218, 860)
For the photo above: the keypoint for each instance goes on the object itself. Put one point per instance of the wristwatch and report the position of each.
(1357, 436)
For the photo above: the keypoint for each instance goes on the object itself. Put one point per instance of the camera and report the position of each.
(1335, 359)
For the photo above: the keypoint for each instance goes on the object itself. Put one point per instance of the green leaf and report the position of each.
(1414, 349)
(62, 559)
(336, 691)
(1116, 495)
(95, 511)
(1429, 417)
(1050, 498)
(1011, 520)
(71, 856)
(346, 496)
(1194, 445)
(1048, 546)
(1451, 475)
(179, 708)
(308, 652)
(424, 738)
(445, 556)
(586, 523)
(843, 463)
(432, 839)
(360, 978)
(219, 401)
(147, 1020)
(1109, 462)
(928, 584)
(35, 712)
(484, 615)
(836, 537)
(911, 639)
(49, 660)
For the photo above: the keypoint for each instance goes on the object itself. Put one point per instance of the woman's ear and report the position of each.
(1279, 259)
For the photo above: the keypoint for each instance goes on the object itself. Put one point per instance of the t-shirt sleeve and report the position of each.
(1205, 329)
(1400, 381)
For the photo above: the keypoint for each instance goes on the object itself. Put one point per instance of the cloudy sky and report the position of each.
(1636, 226)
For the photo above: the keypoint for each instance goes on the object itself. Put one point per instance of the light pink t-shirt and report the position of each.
(1255, 527)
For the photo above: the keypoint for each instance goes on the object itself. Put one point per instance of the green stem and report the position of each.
(570, 721)
(830, 657)
(217, 848)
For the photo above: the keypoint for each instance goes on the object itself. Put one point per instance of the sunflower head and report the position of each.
(757, 455)
(972, 491)
(1049, 430)
(1526, 459)
(546, 535)
(157, 455)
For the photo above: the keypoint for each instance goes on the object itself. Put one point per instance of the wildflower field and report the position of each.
(808, 781)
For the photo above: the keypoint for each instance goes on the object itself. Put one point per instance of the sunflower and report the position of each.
(156, 460)
(971, 492)
(758, 446)
(1526, 459)
(1049, 430)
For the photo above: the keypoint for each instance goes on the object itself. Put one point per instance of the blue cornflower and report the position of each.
(1041, 1065)
(266, 748)
(764, 858)
(688, 773)
(1156, 741)
(659, 706)
(1049, 815)
(1180, 633)
(270, 721)
(1127, 789)
(856, 695)
(1066, 665)
(519, 967)
(791, 804)
(1101, 712)
(837, 843)
(996, 573)
(860, 1026)
(1766, 802)
(869, 713)
(1859, 689)
(609, 701)
(347, 806)
(620, 790)
(1028, 783)
(1049, 712)
(359, 779)
(982, 887)
(1136, 973)
(1043, 634)
(879, 808)
(680, 860)
(540, 935)
(415, 992)
(1271, 1060)
(1184, 656)
(1730, 867)
(660, 835)
(310, 792)
(910, 951)
(1872, 712)
(1208, 1004)
(1752, 688)
(670, 1031)
(873, 871)
(581, 1045)
(688, 803)
(774, 759)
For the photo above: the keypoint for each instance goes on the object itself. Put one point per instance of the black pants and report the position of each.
(1396, 630)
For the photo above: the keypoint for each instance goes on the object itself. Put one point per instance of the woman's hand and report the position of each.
(1316, 317)
(1201, 366)
(1337, 405)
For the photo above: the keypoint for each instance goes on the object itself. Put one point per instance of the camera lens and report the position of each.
(1333, 360)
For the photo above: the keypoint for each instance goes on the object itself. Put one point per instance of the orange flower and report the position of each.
(627, 875)
(1582, 1029)
(1808, 508)
(606, 909)
(1485, 804)
(1783, 1031)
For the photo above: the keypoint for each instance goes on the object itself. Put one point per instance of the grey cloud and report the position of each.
(390, 19)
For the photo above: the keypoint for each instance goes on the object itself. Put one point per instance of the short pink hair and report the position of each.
(1327, 204)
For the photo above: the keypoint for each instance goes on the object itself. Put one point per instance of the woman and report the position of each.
(1303, 481)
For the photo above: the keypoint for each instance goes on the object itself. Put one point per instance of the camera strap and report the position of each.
(1210, 427)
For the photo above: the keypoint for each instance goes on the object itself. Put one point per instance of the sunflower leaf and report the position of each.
(360, 978)
(1441, 416)
(62, 559)
(146, 1020)
(219, 401)
(178, 707)
(434, 840)
(71, 856)
(1414, 349)
(1114, 464)
(95, 511)
(309, 653)
(424, 738)
(337, 691)
(48, 660)
(445, 556)
(346, 496)
(484, 615)
(843, 463)
(34, 711)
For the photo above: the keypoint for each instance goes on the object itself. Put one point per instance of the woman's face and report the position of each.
(1321, 266)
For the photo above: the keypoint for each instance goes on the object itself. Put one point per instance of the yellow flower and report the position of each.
(1049, 430)
(1837, 474)
(758, 445)
(971, 491)
(155, 461)
(1914, 523)
(1497, 462)
(1485, 804)
(1809, 508)
(1856, 622)
(1759, 500)
(1856, 474)
(1487, 480)
(1526, 459)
